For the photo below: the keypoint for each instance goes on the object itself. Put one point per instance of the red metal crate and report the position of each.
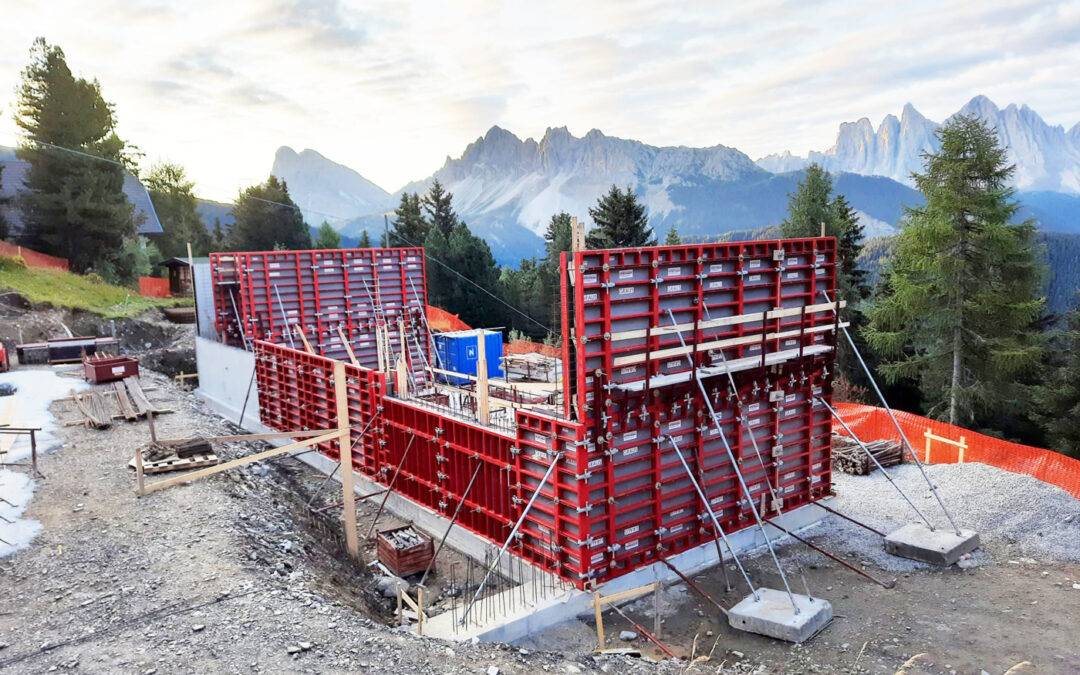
(103, 369)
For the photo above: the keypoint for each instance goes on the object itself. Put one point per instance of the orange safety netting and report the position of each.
(530, 347)
(870, 423)
(441, 320)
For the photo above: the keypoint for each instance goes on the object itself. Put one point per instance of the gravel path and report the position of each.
(1015, 515)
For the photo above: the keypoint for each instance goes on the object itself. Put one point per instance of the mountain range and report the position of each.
(1047, 157)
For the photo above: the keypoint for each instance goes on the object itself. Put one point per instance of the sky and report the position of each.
(393, 88)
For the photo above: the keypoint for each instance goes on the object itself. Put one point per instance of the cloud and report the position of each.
(391, 88)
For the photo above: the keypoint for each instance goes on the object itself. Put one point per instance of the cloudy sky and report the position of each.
(392, 88)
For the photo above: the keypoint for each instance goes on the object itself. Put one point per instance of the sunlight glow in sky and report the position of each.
(391, 88)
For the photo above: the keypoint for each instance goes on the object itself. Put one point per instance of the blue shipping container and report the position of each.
(457, 352)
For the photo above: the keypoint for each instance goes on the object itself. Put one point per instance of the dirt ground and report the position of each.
(227, 574)
(221, 575)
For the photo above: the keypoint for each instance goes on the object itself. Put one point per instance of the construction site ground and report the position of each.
(227, 574)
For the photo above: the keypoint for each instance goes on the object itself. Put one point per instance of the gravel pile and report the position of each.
(1012, 512)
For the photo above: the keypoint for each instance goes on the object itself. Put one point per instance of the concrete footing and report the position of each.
(937, 547)
(773, 614)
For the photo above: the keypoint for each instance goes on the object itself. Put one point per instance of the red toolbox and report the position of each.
(109, 368)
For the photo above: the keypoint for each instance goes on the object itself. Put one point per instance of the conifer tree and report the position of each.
(409, 226)
(809, 208)
(327, 237)
(365, 240)
(3, 202)
(439, 209)
(174, 201)
(672, 238)
(74, 206)
(268, 219)
(1057, 400)
(620, 221)
(218, 237)
(963, 284)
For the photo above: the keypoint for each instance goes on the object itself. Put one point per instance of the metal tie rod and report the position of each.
(457, 511)
(735, 465)
(715, 522)
(513, 533)
(873, 459)
(885, 404)
(746, 418)
(285, 318)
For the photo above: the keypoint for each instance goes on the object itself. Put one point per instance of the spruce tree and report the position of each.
(74, 206)
(268, 219)
(849, 237)
(326, 237)
(409, 226)
(1057, 399)
(218, 239)
(439, 209)
(810, 208)
(365, 240)
(672, 238)
(557, 238)
(963, 284)
(174, 201)
(620, 221)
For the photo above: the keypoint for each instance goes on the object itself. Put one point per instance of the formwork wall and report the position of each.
(262, 295)
(619, 498)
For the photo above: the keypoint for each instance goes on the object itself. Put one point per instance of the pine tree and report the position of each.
(620, 220)
(964, 284)
(471, 258)
(365, 240)
(218, 238)
(326, 237)
(672, 238)
(809, 207)
(1057, 400)
(439, 209)
(268, 219)
(3, 203)
(74, 206)
(410, 228)
(174, 201)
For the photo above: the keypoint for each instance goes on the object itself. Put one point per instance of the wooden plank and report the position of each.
(598, 611)
(348, 347)
(175, 463)
(251, 437)
(142, 404)
(348, 514)
(720, 344)
(123, 403)
(267, 454)
(630, 594)
(727, 321)
(483, 405)
(303, 338)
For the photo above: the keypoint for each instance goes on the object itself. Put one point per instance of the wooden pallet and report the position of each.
(178, 463)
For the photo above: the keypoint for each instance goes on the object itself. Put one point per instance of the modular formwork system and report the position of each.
(267, 295)
(649, 333)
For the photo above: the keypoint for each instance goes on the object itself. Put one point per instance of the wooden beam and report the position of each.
(251, 437)
(341, 394)
(348, 347)
(483, 405)
(259, 456)
(598, 612)
(720, 344)
(303, 338)
(726, 321)
(630, 594)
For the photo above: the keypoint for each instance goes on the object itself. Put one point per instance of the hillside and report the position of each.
(73, 291)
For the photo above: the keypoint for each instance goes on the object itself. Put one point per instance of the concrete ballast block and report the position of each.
(937, 547)
(772, 614)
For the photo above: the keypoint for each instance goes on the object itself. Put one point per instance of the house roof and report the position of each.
(183, 262)
(12, 183)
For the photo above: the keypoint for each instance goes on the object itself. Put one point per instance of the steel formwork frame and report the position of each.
(619, 498)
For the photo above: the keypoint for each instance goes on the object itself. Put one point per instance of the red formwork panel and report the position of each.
(763, 306)
(619, 497)
(322, 291)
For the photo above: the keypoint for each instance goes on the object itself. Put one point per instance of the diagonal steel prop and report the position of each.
(734, 464)
(513, 533)
(285, 318)
(453, 519)
(899, 429)
(715, 522)
(873, 459)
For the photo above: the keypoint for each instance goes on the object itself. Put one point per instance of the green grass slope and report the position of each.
(73, 291)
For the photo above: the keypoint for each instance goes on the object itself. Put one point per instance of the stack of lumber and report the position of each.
(188, 453)
(848, 457)
(120, 400)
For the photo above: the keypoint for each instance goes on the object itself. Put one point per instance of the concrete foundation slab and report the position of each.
(773, 615)
(937, 547)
